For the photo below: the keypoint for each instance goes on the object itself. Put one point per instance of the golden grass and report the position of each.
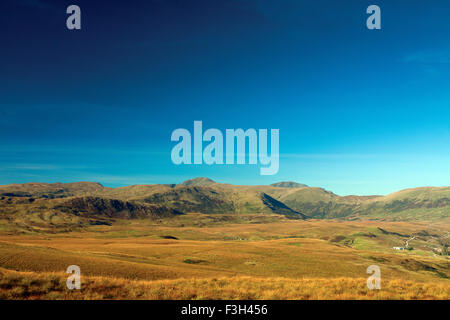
(277, 260)
(30, 285)
(154, 259)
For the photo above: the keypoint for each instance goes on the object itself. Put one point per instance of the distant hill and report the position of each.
(288, 184)
(198, 182)
(50, 190)
(426, 203)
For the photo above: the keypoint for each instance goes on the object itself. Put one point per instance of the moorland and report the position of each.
(206, 240)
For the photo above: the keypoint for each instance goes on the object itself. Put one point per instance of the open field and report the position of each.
(198, 256)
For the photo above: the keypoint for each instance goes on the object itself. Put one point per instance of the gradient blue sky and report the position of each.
(359, 111)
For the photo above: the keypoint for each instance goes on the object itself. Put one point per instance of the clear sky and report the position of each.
(359, 111)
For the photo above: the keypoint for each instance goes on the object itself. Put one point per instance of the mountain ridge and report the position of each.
(203, 195)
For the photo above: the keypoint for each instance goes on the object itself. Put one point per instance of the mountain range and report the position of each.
(88, 203)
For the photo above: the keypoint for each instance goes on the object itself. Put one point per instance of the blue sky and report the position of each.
(359, 111)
